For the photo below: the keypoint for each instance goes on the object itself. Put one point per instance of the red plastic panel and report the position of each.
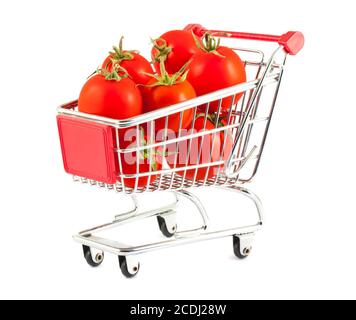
(87, 149)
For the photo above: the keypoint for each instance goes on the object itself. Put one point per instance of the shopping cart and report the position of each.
(93, 155)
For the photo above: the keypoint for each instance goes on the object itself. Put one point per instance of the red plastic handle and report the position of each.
(292, 41)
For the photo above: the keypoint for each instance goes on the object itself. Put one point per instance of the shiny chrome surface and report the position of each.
(229, 167)
(182, 237)
(130, 217)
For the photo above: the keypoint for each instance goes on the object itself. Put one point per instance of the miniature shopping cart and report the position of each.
(92, 152)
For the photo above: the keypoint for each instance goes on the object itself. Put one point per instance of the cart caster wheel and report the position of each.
(128, 269)
(93, 262)
(167, 225)
(242, 246)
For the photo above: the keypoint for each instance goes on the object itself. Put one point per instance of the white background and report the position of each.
(306, 180)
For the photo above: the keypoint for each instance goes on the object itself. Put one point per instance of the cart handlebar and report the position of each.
(292, 41)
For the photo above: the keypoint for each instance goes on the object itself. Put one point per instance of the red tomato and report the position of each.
(214, 68)
(135, 64)
(176, 48)
(149, 160)
(117, 99)
(210, 146)
(159, 96)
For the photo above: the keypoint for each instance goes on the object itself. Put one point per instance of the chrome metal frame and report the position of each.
(180, 237)
(242, 118)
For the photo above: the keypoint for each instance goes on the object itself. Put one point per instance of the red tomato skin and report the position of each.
(209, 72)
(227, 143)
(162, 96)
(110, 98)
(127, 140)
(183, 48)
(135, 68)
(144, 167)
(211, 146)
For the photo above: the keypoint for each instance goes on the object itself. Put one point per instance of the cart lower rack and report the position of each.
(224, 155)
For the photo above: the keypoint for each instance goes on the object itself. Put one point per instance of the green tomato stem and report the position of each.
(113, 75)
(119, 55)
(163, 50)
(164, 79)
(209, 44)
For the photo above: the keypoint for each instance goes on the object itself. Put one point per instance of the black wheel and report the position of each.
(128, 272)
(97, 261)
(241, 253)
(164, 229)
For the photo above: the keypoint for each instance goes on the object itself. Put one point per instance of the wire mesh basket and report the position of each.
(184, 158)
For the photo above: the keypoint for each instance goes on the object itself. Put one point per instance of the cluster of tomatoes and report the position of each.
(183, 67)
